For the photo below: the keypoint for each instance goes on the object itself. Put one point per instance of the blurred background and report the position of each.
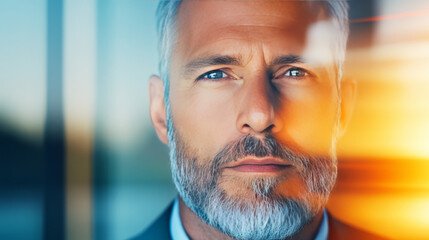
(80, 160)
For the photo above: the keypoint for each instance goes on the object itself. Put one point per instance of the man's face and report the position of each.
(258, 75)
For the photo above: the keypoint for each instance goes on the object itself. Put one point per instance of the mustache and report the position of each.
(249, 145)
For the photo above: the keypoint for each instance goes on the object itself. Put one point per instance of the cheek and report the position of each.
(310, 116)
(203, 118)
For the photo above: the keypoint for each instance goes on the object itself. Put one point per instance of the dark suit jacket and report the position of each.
(160, 230)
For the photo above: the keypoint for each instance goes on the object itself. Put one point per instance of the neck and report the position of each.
(197, 229)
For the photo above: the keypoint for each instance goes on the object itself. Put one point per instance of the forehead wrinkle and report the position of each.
(261, 20)
(246, 14)
(189, 45)
(251, 12)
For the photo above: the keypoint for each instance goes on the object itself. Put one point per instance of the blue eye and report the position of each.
(213, 75)
(296, 72)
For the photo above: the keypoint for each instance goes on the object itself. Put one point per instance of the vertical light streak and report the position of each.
(79, 93)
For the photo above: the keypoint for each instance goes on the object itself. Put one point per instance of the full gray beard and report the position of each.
(263, 215)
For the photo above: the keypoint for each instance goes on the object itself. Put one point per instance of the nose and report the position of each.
(257, 108)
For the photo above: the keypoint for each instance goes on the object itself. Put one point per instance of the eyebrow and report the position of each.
(287, 59)
(211, 61)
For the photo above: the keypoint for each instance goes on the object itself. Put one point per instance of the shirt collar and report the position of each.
(176, 228)
(323, 232)
(177, 231)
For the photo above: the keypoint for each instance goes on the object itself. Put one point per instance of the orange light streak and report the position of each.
(383, 177)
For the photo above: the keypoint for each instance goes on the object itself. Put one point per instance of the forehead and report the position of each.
(205, 26)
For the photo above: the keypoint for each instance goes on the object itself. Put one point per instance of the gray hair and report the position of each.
(167, 32)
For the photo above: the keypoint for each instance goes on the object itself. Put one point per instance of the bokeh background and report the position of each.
(80, 160)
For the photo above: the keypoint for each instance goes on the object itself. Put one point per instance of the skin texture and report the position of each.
(254, 95)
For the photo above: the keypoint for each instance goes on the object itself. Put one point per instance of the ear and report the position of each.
(157, 108)
(348, 98)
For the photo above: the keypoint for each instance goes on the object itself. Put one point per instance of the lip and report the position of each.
(259, 165)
